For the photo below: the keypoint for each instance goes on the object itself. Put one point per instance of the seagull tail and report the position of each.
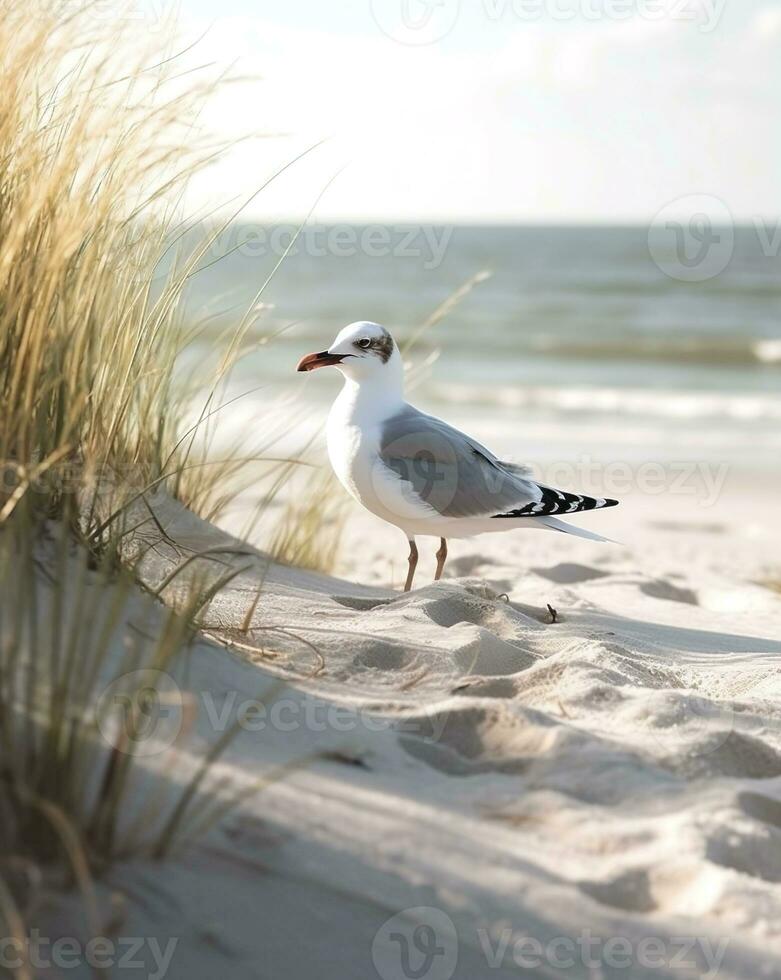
(580, 532)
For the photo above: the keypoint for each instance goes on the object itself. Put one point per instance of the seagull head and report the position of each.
(362, 351)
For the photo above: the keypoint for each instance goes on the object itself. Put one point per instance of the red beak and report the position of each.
(313, 361)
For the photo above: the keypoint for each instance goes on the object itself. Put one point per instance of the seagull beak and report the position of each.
(313, 361)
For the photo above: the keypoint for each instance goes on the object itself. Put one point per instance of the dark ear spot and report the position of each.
(384, 347)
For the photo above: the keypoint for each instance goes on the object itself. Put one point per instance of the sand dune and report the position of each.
(599, 797)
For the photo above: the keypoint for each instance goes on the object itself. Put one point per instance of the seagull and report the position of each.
(417, 472)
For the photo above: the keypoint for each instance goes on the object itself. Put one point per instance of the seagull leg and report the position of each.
(413, 564)
(441, 559)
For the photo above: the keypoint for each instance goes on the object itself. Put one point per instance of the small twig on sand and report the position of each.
(236, 645)
(554, 616)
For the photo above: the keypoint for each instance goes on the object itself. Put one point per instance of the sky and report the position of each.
(532, 111)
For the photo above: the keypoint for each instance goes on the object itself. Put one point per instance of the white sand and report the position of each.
(608, 787)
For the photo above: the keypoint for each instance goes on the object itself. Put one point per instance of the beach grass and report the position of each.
(98, 140)
(96, 720)
(308, 533)
(97, 143)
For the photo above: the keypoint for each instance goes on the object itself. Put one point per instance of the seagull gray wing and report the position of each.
(449, 471)
(459, 478)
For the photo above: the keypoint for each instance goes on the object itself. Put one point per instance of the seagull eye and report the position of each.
(364, 343)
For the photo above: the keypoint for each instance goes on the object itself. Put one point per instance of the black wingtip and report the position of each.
(560, 503)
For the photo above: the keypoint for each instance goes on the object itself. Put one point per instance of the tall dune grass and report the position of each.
(69, 634)
(97, 143)
(81, 357)
(98, 139)
(309, 531)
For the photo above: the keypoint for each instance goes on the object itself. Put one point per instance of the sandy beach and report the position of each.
(468, 789)
(231, 747)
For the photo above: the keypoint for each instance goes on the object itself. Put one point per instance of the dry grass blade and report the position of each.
(308, 532)
(445, 308)
(67, 781)
(14, 931)
(95, 152)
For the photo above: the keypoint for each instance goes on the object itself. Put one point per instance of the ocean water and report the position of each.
(582, 340)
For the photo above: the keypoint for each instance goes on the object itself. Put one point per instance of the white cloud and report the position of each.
(536, 122)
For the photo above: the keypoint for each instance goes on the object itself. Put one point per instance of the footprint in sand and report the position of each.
(360, 603)
(466, 564)
(385, 656)
(450, 762)
(673, 593)
(732, 754)
(570, 574)
(449, 610)
(630, 891)
(765, 809)
(756, 852)
(478, 737)
(487, 654)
